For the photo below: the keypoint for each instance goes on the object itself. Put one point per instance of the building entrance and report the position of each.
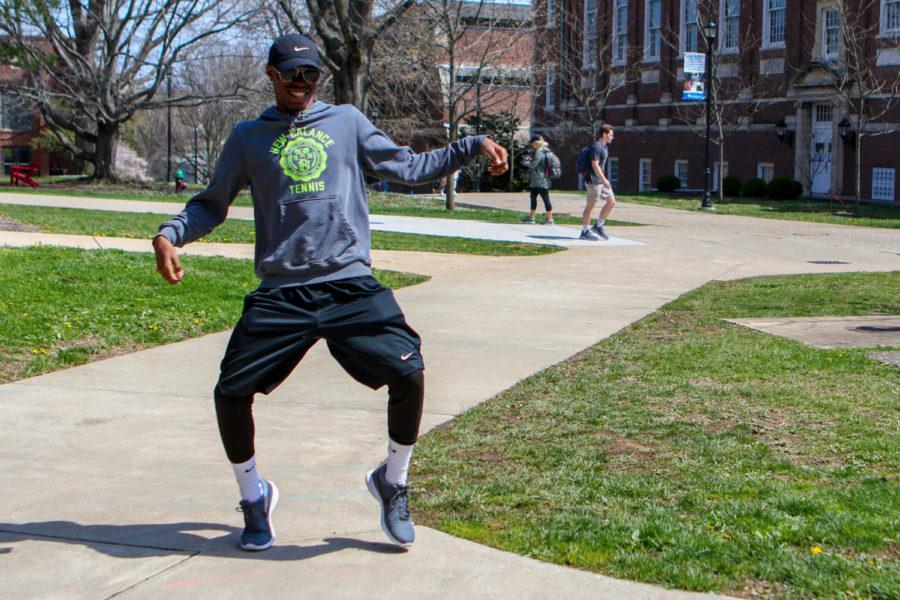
(820, 150)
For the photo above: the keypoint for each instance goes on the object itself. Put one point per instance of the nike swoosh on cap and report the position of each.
(300, 48)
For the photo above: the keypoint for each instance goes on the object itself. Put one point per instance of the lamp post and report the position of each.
(169, 125)
(709, 32)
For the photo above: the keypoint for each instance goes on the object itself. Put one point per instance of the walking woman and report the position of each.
(539, 179)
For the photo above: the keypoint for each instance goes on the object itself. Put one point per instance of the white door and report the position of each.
(820, 150)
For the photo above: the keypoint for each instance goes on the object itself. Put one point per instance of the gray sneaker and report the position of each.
(598, 229)
(394, 501)
(527, 220)
(548, 222)
(587, 235)
(258, 531)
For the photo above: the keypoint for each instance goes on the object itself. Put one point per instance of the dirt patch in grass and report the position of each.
(11, 225)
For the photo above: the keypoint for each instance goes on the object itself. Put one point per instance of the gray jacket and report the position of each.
(307, 180)
(538, 167)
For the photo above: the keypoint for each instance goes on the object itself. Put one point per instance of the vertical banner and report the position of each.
(694, 76)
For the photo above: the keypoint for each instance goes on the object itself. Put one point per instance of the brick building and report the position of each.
(781, 73)
(18, 125)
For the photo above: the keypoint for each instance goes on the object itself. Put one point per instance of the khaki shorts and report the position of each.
(596, 192)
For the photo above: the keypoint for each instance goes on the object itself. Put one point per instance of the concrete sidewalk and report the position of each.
(553, 235)
(120, 486)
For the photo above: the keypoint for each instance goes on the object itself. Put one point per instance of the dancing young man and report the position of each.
(592, 165)
(306, 163)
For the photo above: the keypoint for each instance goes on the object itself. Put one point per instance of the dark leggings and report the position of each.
(405, 400)
(545, 196)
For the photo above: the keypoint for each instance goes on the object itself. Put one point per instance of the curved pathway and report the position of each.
(117, 485)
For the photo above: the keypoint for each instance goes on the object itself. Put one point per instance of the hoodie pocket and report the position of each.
(313, 233)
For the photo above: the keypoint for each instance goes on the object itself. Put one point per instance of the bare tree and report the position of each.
(91, 66)
(866, 91)
(348, 30)
(599, 65)
(482, 52)
(737, 91)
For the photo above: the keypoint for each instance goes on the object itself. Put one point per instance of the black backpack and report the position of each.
(583, 164)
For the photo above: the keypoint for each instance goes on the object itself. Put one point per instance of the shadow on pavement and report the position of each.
(164, 539)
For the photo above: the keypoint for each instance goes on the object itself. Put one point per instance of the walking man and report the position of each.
(592, 165)
(306, 162)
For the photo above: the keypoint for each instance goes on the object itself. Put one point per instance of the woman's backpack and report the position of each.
(552, 166)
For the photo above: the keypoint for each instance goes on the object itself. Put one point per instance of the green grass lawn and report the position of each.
(379, 202)
(144, 225)
(694, 453)
(61, 307)
(870, 215)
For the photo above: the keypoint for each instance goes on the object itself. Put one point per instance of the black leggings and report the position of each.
(405, 400)
(545, 196)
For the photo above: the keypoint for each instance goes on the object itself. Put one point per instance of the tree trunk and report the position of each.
(105, 152)
(350, 85)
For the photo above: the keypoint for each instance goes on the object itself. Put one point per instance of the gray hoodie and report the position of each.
(307, 179)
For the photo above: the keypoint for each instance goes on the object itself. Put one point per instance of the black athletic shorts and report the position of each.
(359, 319)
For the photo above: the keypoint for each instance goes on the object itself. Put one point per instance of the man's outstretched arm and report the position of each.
(382, 157)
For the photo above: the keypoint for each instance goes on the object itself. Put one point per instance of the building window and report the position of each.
(551, 12)
(652, 29)
(612, 165)
(765, 171)
(15, 114)
(15, 155)
(550, 89)
(774, 18)
(831, 23)
(823, 113)
(690, 26)
(719, 172)
(620, 31)
(883, 184)
(890, 17)
(730, 11)
(681, 172)
(590, 34)
(644, 167)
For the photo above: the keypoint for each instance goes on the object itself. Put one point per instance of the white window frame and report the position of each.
(679, 166)
(725, 21)
(767, 42)
(762, 168)
(825, 29)
(645, 175)
(619, 33)
(722, 175)
(687, 25)
(884, 183)
(883, 30)
(551, 12)
(612, 165)
(652, 32)
(550, 89)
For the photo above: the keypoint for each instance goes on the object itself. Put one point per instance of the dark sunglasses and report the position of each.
(299, 74)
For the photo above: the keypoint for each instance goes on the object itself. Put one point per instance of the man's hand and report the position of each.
(497, 154)
(167, 260)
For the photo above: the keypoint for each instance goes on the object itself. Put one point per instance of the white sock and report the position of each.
(584, 228)
(248, 479)
(397, 462)
(600, 222)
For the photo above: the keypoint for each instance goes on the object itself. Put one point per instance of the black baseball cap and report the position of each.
(294, 50)
(536, 138)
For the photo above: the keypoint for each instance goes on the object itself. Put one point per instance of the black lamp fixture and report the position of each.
(845, 130)
(782, 131)
(709, 31)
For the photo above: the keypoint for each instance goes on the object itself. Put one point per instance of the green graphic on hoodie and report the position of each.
(303, 158)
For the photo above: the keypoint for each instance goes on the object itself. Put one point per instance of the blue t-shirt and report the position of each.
(599, 153)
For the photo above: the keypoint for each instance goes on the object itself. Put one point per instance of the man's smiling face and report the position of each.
(292, 96)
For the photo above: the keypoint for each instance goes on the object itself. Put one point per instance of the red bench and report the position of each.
(24, 173)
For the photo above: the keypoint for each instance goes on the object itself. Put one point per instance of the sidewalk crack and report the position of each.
(149, 577)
